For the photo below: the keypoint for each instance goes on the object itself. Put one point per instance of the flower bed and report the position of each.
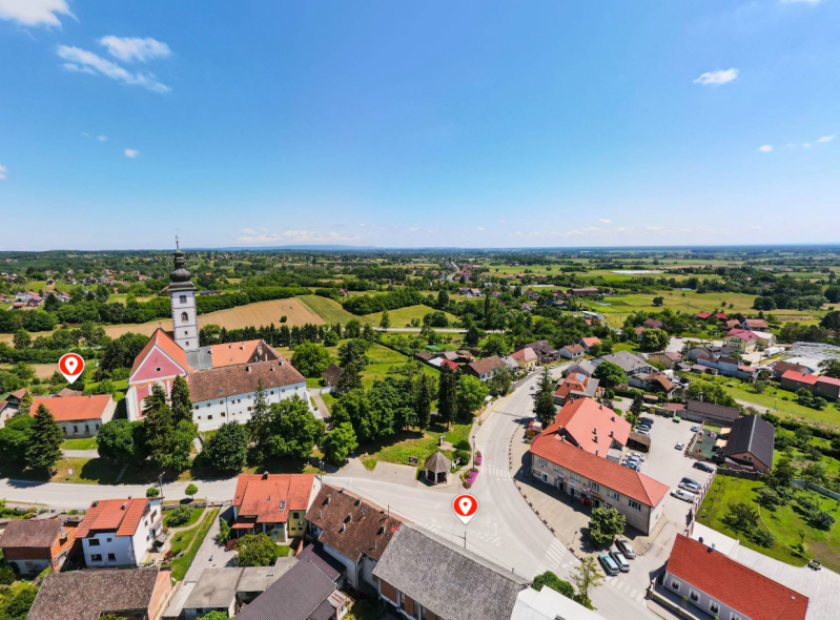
(470, 477)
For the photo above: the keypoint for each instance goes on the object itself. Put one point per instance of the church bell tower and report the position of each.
(182, 295)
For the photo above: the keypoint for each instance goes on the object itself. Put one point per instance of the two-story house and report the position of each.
(486, 368)
(590, 426)
(31, 545)
(273, 504)
(119, 532)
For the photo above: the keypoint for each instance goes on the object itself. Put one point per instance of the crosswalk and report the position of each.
(556, 555)
(491, 539)
(496, 472)
(626, 588)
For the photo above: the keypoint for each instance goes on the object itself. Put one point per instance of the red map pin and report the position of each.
(465, 507)
(71, 366)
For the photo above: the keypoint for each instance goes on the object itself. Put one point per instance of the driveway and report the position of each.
(221, 557)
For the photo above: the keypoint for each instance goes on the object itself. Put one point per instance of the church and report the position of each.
(223, 378)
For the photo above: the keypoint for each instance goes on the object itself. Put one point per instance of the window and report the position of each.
(188, 343)
(108, 539)
(556, 468)
(210, 417)
(541, 461)
(734, 616)
(694, 596)
(594, 486)
(96, 557)
(714, 607)
(183, 299)
(675, 585)
(575, 477)
(112, 557)
(613, 495)
(196, 407)
(184, 317)
(634, 504)
(94, 542)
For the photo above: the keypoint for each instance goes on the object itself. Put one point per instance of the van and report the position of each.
(608, 564)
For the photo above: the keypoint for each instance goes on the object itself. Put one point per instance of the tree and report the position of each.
(471, 395)
(216, 614)
(544, 409)
(423, 400)
(191, 490)
(609, 374)
(258, 426)
(443, 299)
(225, 530)
(353, 352)
(555, 583)
(182, 406)
(654, 340)
(385, 321)
(14, 438)
(741, 517)
(830, 368)
(340, 442)
(122, 441)
(658, 301)
(259, 550)
(44, 448)
(295, 430)
(160, 426)
(331, 339)
(496, 344)
(501, 381)
(25, 403)
(21, 339)
(181, 446)
(350, 379)
(447, 395)
(311, 359)
(227, 450)
(605, 524)
(586, 576)
(782, 473)
(472, 337)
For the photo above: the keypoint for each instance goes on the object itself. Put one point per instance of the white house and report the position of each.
(120, 532)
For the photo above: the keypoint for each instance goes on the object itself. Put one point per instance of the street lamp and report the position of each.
(160, 480)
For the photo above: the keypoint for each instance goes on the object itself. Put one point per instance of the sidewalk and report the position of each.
(210, 548)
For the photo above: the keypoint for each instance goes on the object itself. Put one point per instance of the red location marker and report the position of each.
(465, 507)
(71, 366)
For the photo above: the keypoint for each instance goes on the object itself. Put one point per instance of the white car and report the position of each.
(639, 456)
(683, 495)
(680, 446)
(689, 488)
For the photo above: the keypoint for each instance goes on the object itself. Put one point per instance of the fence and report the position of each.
(737, 473)
(815, 487)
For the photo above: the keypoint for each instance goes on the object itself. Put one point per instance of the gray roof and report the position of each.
(710, 410)
(315, 553)
(754, 435)
(258, 578)
(437, 463)
(200, 359)
(586, 367)
(449, 581)
(215, 589)
(295, 596)
(627, 361)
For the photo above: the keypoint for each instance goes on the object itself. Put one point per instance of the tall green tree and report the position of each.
(385, 321)
(586, 576)
(258, 426)
(443, 299)
(471, 395)
(295, 430)
(472, 337)
(259, 550)
(311, 359)
(423, 400)
(447, 395)
(340, 442)
(544, 409)
(44, 448)
(554, 582)
(122, 441)
(22, 339)
(350, 379)
(227, 450)
(605, 524)
(609, 374)
(160, 426)
(182, 406)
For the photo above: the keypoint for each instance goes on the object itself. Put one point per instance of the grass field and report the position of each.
(329, 310)
(382, 359)
(404, 316)
(188, 543)
(398, 448)
(195, 516)
(87, 443)
(784, 522)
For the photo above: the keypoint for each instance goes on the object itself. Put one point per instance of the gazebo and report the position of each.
(437, 468)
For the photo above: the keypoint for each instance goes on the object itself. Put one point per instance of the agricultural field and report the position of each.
(42, 371)
(404, 316)
(329, 310)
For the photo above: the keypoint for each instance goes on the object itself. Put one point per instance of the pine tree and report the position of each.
(350, 379)
(155, 400)
(447, 395)
(423, 401)
(44, 445)
(258, 426)
(544, 401)
(385, 322)
(181, 403)
(160, 427)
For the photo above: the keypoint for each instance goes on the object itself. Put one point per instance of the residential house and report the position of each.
(630, 363)
(577, 385)
(653, 382)
(583, 292)
(704, 316)
(484, 369)
(590, 426)
(698, 411)
(137, 594)
(527, 359)
(780, 368)
(421, 576)
(718, 586)
(572, 351)
(750, 444)
(548, 604)
(581, 473)
(332, 375)
(583, 367)
(653, 324)
(730, 324)
(759, 325)
(304, 592)
(720, 316)
(273, 504)
(78, 416)
(827, 387)
(120, 532)
(424, 356)
(32, 545)
(669, 359)
(353, 531)
(742, 340)
(546, 353)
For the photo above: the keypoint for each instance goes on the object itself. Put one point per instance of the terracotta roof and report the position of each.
(574, 349)
(598, 469)
(574, 382)
(732, 323)
(232, 353)
(68, 392)
(164, 341)
(753, 323)
(526, 354)
(19, 394)
(72, 408)
(30, 533)
(703, 315)
(241, 379)
(486, 365)
(581, 417)
(721, 316)
(743, 334)
(792, 375)
(121, 515)
(368, 530)
(749, 593)
(829, 380)
(449, 363)
(591, 341)
(269, 498)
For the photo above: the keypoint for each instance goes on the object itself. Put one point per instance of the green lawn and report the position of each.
(404, 316)
(313, 383)
(329, 309)
(88, 443)
(784, 522)
(195, 516)
(188, 542)
(398, 448)
(383, 359)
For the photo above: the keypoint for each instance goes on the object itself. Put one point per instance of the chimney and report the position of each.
(595, 430)
(358, 501)
(327, 501)
(343, 527)
(364, 513)
(597, 452)
(612, 418)
(596, 438)
(265, 475)
(612, 433)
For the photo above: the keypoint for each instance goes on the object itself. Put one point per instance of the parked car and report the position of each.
(680, 446)
(694, 429)
(691, 482)
(608, 564)
(626, 550)
(643, 431)
(648, 421)
(639, 456)
(683, 495)
(704, 467)
(689, 488)
(618, 558)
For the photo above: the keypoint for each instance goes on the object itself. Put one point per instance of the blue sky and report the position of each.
(406, 124)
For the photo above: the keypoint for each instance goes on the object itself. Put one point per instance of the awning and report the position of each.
(242, 526)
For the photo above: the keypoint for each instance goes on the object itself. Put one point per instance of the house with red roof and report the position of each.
(572, 351)
(78, 416)
(755, 325)
(120, 532)
(827, 387)
(576, 385)
(590, 426)
(526, 359)
(718, 586)
(703, 316)
(590, 476)
(273, 504)
(590, 342)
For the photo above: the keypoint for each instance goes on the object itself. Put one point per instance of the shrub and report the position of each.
(152, 492)
(463, 444)
(7, 575)
(462, 456)
(763, 538)
(822, 520)
(191, 490)
(179, 516)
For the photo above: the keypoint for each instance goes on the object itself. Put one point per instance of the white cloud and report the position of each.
(604, 220)
(131, 153)
(766, 148)
(414, 228)
(82, 61)
(34, 12)
(297, 236)
(480, 228)
(825, 139)
(249, 231)
(3, 171)
(129, 49)
(716, 78)
(807, 145)
(103, 138)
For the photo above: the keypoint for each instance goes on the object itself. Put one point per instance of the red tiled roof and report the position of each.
(582, 416)
(270, 497)
(19, 394)
(164, 341)
(743, 334)
(756, 323)
(122, 515)
(72, 408)
(792, 375)
(242, 352)
(449, 363)
(721, 316)
(749, 593)
(591, 341)
(829, 380)
(703, 315)
(525, 354)
(598, 469)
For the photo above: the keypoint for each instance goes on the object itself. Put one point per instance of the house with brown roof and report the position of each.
(273, 504)
(572, 351)
(827, 387)
(484, 369)
(590, 426)
(120, 532)
(717, 586)
(332, 375)
(755, 325)
(653, 382)
(78, 416)
(31, 545)
(590, 342)
(138, 594)
(352, 530)
(699, 411)
(546, 353)
(588, 475)
(780, 368)
(669, 359)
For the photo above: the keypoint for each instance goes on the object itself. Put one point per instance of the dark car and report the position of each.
(625, 548)
(648, 421)
(704, 467)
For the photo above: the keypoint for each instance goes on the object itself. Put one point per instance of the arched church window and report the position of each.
(184, 317)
